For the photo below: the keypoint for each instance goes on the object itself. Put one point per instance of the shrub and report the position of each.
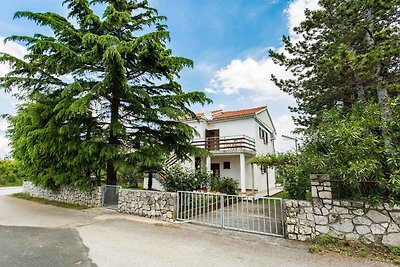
(10, 173)
(224, 185)
(179, 179)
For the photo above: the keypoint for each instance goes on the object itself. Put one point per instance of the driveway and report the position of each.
(105, 238)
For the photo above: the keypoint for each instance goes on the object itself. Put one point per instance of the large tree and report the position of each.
(348, 51)
(116, 69)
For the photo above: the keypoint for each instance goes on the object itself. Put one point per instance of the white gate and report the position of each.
(261, 215)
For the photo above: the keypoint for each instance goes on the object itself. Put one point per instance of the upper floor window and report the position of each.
(263, 135)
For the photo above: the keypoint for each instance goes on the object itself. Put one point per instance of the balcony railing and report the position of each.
(226, 143)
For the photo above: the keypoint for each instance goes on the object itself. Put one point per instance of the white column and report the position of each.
(252, 178)
(242, 173)
(208, 163)
(193, 162)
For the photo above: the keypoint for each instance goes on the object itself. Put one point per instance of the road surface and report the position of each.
(96, 237)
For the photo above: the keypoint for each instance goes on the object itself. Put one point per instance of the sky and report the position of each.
(228, 40)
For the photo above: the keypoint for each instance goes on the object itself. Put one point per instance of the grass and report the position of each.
(49, 202)
(325, 244)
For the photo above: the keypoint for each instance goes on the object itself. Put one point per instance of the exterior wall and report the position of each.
(67, 194)
(346, 220)
(247, 127)
(151, 204)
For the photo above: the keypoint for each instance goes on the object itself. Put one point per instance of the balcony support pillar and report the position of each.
(208, 164)
(242, 173)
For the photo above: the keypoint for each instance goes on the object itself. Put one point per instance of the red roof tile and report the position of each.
(239, 113)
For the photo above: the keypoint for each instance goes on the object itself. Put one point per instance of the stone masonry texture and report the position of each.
(345, 220)
(151, 204)
(90, 198)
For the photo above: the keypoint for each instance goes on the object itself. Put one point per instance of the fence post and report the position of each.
(222, 210)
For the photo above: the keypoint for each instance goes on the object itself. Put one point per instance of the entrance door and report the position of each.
(215, 169)
(212, 138)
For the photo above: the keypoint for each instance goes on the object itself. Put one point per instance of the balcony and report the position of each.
(227, 144)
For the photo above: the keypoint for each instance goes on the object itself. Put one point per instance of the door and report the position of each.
(212, 139)
(215, 169)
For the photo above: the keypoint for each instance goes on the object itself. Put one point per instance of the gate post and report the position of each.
(222, 210)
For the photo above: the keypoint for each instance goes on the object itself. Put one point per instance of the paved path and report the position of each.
(4, 191)
(113, 239)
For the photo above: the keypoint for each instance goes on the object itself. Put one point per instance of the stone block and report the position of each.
(393, 228)
(344, 226)
(368, 239)
(392, 239)
(377, 217)
(358, 212)
(377, 229)
(352, 237)
(321, 220)
(362, 229)
(322, 229)
(325, 195)
(362, 220)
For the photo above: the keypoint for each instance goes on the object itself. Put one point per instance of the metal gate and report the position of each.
(261, 215)
(110, 196)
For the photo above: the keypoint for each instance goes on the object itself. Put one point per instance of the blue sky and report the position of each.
(228, 40)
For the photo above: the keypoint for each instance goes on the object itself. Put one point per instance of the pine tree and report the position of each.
(349, 51)
(117, 69)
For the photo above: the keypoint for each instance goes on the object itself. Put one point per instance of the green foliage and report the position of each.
(346, 75)
(49, 202)
(179, 179)
(11, 173)
(290, 172)
(348, 52)
(99, 93)
(224, 185)
(350, 147)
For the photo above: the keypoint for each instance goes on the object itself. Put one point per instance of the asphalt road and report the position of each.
(62, 237)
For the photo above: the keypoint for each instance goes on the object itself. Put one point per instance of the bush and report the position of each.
(224, 185)
(10, 173)
(179, 179)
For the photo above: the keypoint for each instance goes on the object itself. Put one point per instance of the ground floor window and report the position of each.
(227, 165)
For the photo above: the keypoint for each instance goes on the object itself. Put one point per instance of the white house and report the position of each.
(234, 137)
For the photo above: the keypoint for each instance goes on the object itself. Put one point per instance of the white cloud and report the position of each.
(210, 90)
(252, 76)
(7, 102)
(295, 13)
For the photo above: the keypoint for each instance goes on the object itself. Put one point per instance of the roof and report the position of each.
(220, 114)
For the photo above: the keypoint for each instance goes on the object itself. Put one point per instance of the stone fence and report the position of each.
(67, 194)
(346, 220)
(152, 204)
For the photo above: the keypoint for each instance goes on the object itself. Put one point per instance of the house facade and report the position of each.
(233, 138)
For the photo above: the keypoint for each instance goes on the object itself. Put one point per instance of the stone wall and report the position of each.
(151, 204)
(67, 194)
(346, 220)
(300, 222)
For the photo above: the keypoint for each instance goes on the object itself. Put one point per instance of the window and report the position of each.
(266, 138)
(263, 135)
(227, 165)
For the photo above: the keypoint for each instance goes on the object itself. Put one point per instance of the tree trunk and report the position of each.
(113, 140)
(382, 94)
(150, 182)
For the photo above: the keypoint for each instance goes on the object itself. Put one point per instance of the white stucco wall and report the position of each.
(245, 126)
